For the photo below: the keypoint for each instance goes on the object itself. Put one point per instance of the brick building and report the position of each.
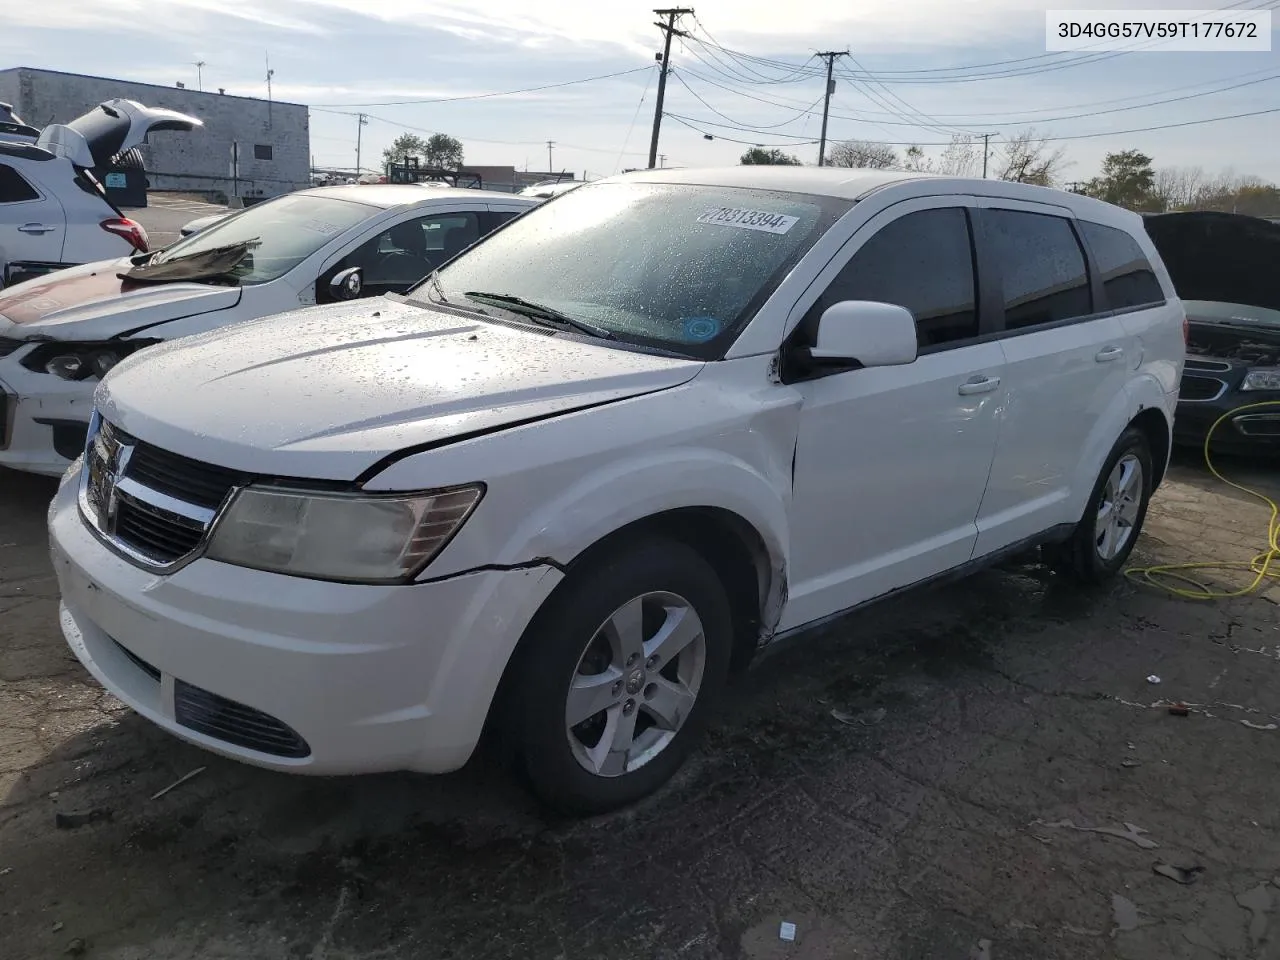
(247, 147)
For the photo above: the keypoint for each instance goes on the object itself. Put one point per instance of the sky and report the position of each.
(916, 73)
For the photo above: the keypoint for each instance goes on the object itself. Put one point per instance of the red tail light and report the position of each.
(1186, 329)
(130, 230)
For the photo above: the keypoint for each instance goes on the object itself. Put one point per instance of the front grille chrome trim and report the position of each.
(106, 488)
(1222, 388)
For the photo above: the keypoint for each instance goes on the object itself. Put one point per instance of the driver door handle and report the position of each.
(979, 385)
(1109, 353)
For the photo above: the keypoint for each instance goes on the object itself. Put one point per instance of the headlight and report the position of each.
(352, 538)
(1268, 379)
(79, 361)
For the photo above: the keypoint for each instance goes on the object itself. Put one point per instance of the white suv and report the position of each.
(603, 458)
(53, 212)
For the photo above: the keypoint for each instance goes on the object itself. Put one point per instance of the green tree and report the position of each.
(443, 151)
(759, 155)
(1127, 180)
(403, 146)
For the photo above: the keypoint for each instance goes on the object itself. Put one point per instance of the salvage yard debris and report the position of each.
(179, 782)
(81, 818)
(1134, 834)
(1183, 875)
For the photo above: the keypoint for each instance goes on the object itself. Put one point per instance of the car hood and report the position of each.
(329, 391)
(1220, 257)
(91, 302)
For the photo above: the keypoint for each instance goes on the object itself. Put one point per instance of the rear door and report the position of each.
(32, 223)
(1065, 362)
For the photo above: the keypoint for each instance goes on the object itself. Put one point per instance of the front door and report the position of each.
(32, 226)
(891, 463)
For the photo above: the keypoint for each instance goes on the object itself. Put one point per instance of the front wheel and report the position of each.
(617, 677)
(1107, 532)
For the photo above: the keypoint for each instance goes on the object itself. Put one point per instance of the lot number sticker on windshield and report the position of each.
(761, 220)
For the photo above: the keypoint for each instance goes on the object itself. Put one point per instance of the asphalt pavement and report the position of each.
(166, 213)
(976, 772)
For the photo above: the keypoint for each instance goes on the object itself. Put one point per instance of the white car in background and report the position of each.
(53, 212)
(599, 460)
(59, 334)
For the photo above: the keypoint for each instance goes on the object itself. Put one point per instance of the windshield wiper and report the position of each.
(539, 313)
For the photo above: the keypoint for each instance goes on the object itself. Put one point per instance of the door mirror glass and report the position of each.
(868, 333)
(347, 284)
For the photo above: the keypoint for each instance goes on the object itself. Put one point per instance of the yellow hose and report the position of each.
(1265, 566)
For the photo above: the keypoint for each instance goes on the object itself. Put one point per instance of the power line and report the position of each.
(752, 143)
(1005, 119)
(485, 96)
(762, 126)
(635, 116)
(956, 74)
(690, 122)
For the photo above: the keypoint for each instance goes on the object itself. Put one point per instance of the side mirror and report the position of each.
(347, 284)
(868, 333)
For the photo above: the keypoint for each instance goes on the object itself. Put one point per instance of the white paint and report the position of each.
(856, 483)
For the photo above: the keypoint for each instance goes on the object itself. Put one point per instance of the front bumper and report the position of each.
(43, 419)
(369, 678)
(1245, 431)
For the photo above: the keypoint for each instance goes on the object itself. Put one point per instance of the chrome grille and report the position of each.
(1195, 388)
(160, 534)
(190, 480)
(235, 723)
(155, 507)
(1210, 366)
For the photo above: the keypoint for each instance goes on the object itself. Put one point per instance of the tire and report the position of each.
(1088, 557)
(584, 644)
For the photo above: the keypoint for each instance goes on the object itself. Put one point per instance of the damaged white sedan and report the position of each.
(600, 459)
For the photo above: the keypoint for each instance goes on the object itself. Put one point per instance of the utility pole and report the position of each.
(986, 142)
(830, 57)
(270, 73)
(667, 29)
(362, 121)
(199, 74)
(550, 167)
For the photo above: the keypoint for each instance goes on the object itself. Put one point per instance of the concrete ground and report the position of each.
(980, 772)
(166, 213)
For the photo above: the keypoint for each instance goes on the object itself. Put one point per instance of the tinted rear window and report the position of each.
(1127, 276)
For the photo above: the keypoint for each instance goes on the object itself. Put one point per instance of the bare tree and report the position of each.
(961, 158)
(1026, 158)
(1178, 187)
(862, 153)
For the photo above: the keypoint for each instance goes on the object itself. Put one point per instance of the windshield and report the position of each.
(281, 233)
(673, 266)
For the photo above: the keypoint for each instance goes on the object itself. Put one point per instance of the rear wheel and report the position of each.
(617, 678)
(1107, 532)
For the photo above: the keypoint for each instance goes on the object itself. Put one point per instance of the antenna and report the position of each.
(266, 58)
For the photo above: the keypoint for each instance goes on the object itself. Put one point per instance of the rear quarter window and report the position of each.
(1127, 275)
(13, 188)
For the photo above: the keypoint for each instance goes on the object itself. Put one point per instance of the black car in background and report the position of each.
(1226, 269)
